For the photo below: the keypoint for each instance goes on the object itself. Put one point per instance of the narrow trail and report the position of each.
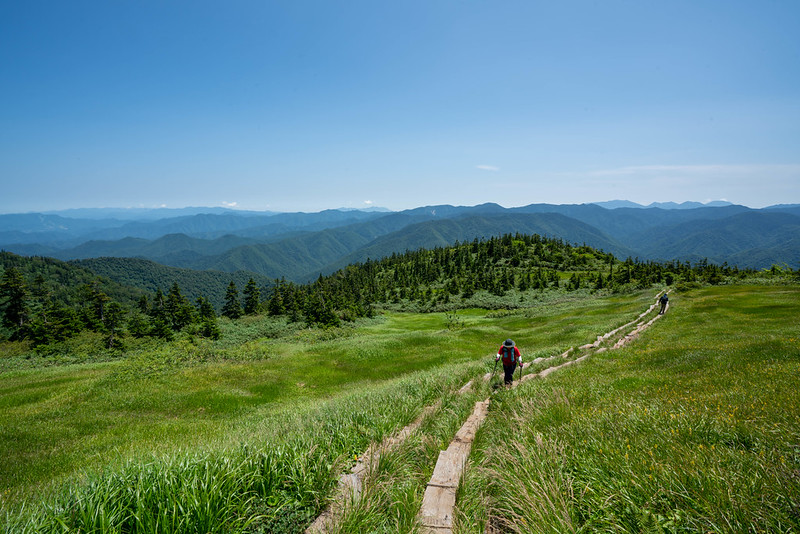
(439, 499)
(438, 502)
(351, 484)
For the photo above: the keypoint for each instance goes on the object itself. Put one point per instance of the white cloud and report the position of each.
(368, 202)
(488, 168)
(230, 204)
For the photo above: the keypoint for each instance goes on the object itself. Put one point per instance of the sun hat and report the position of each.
(508, 343)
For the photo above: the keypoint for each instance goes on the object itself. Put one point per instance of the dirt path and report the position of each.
(351, 484)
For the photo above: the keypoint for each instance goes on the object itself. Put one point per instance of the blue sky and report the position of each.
(303, 106)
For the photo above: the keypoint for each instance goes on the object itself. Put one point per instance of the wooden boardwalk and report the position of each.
(438, 502)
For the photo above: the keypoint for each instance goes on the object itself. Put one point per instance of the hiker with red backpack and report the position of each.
(510, 355)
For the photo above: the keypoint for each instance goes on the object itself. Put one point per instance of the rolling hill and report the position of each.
(441, 233)
(302, 245)
(149, 276)
(750, 239)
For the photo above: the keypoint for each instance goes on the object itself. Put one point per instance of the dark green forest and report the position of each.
(499, 272)
(45, 301)
(150, 276)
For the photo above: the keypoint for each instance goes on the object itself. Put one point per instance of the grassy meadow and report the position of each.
(694, 427)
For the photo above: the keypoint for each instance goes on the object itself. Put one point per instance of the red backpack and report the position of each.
(509, 355)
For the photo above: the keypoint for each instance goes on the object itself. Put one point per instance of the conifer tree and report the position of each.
(232, 309)
(13, 298)
(179, 312)
(208, 319)
(143, 305)
(114, 316)
(205, 309)
(252, 298)
(138, 325)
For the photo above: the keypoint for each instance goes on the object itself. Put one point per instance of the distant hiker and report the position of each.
(663, 301)
(510, 355)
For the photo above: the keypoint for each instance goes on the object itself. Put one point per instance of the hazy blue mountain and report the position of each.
(787, 253)
(192, 225)
(308, 252)
(171, 244)
(147, 214)
(440, 233)
(210, 226)
(30, 250)
(296, 245)
(65, 232)
(39, 228)
(378, 209)
(268, 255)
(621, 223)
(752, 239)
(793, 209)
(614, 204)
(688, 205)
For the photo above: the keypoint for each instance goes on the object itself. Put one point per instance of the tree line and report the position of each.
(39, 309)
(447, 277)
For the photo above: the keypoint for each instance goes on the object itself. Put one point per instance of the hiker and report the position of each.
(663, 301)
(510, 355)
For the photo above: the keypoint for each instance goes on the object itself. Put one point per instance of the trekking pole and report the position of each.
(493, 371)
(520, 371)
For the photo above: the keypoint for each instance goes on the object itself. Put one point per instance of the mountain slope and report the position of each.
(753, 239)
(308, 252)
(622, 223)
(63, 281)
(150, 276)
(210, 226)
(298, 245)
(440, 233)
(174, 245)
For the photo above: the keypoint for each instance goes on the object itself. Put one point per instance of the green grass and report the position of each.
(290, 463)
(393, 491)
(64, 423)
(693, 428)
(184, 394)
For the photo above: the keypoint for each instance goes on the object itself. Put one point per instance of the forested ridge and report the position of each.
(149, 276)
(45, 301)
(499, 272)
(299, 246)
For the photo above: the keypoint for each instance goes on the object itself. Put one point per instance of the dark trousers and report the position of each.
(509, 370)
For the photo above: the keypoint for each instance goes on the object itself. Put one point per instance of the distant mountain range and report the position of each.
(300, 246)
(614, 204)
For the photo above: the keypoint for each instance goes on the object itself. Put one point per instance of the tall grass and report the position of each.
(693, 428)
(292, 468)
(204, 416)
(189, 395)
(394, 489)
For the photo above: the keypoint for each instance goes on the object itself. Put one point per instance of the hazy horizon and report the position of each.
(363, 208)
